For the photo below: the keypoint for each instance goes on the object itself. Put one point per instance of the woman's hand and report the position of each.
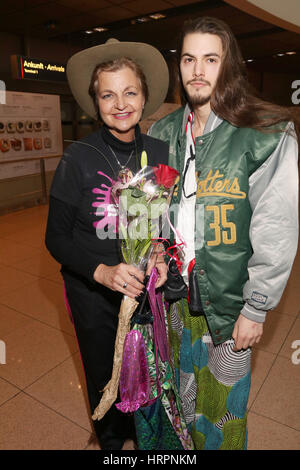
(123, 278)
(246, 332)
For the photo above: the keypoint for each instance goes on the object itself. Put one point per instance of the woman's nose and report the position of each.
(120, 103)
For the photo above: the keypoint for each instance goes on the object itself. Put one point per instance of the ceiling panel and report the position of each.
(117, 2)
(142, 7)
(37, 15)
(33, 3)
(111, 14)
(67, 25)
(11, 6)
(85, 6)
(178, 3)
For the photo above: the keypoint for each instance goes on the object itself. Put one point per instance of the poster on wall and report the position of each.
(30, 126)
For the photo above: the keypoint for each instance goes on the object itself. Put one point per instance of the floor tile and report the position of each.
(279, 397)
(290, 301)
(291, 346)
(12, 279)
(64, 390)
(276, 328)
(6, 228)
(43, 300)
(261, 364)
(266, 434)
(10, 320)
(33, 235)
(7, 391)
(32, 351)
(12, 252)
(41, 265)
(28, 425)
(93, 443)
(57, 277)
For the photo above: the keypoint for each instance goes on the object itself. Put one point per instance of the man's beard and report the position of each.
(196, 99)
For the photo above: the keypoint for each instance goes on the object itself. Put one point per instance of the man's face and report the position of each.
(200, 62)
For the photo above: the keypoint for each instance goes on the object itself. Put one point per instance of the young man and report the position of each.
(237, 219)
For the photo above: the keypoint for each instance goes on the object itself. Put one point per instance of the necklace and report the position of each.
(122, 167)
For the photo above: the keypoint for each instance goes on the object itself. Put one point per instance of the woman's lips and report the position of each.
(122, 115)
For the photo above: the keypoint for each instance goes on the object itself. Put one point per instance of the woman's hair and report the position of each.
(233, 98)
(114, 66)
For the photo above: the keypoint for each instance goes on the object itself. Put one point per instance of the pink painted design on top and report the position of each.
(105, 208)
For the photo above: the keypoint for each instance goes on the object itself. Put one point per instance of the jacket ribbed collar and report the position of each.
(212, 123)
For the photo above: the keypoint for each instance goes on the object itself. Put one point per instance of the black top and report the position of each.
(80, 210)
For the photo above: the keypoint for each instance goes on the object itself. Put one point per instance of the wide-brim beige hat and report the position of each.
(81, 66)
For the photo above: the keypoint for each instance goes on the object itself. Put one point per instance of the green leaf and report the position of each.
(144, 159)
(137, 193)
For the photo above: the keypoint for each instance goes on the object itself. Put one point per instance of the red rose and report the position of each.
(165, 175)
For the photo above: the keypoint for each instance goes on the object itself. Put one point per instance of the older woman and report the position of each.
(120, 83)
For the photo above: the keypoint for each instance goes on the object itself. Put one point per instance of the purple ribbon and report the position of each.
(134, 378)
(159, 326)
(135, 385)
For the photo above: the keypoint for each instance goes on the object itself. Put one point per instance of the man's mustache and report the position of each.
(205, 82)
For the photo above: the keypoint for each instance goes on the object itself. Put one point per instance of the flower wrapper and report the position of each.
(109, 396)
(134, 380)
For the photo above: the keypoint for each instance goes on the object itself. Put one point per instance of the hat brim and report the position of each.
(81, 66)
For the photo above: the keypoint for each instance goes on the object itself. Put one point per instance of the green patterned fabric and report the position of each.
(160, 425)
(154, 430)
(213, 382)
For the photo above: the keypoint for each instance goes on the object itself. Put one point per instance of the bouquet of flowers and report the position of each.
(143, 206)
(142, 201)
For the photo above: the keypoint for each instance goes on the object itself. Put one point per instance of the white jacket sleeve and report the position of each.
(273, 196)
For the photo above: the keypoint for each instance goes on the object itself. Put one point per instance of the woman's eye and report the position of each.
(104, 97)
(131, 93)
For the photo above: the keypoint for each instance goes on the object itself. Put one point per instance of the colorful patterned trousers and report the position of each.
(213, 382)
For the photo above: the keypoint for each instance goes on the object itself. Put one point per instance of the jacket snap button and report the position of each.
(207, 302)
(202, 272)
(217, 332)
(219, 338)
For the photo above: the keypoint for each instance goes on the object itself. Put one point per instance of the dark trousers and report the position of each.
(94, 310)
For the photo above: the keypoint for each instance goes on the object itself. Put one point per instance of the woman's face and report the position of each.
(121, 101)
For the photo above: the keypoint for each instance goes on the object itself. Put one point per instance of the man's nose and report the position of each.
(198, 69)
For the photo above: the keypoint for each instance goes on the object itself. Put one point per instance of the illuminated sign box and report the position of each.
(26, 68)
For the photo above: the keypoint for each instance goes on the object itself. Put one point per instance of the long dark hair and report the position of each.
(233, 98)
